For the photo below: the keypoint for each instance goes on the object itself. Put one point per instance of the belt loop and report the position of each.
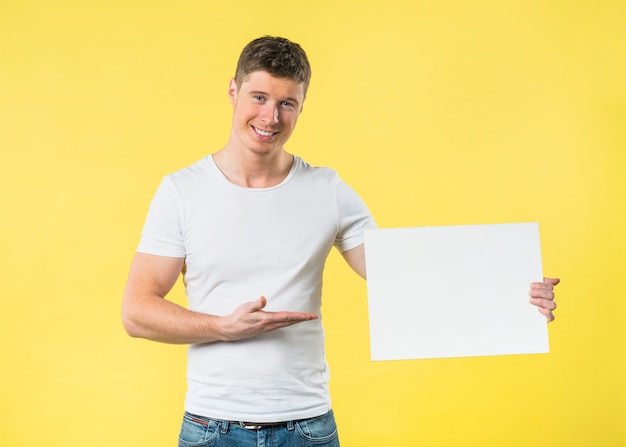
(290, 425)
(224, 429)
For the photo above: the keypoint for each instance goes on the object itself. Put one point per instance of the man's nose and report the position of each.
(270, 114)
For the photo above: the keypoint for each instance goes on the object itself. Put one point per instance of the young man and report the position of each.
(250, 228)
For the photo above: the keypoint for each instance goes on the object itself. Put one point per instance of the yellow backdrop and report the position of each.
(437, 113)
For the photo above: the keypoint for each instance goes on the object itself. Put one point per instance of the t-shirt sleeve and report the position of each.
(354, 217)
(162, 232)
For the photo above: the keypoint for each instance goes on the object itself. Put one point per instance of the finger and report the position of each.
(276, 320)
(544, 290)
(541, 286)
(285, 319)
(291, 317)
(553, 281)
(545, 294)
(547, 313)
(543, 303)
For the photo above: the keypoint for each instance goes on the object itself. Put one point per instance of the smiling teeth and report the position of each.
(264, 133)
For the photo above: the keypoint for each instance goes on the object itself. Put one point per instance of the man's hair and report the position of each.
(277, 56)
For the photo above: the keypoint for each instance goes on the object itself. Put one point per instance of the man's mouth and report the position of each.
(264, 133)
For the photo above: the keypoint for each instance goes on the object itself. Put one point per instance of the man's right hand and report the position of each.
(250, 320)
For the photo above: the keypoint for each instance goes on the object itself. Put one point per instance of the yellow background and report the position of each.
(437, 113)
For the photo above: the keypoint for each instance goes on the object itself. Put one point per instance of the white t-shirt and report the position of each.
(242, 243)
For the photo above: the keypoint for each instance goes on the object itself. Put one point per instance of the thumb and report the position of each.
(259, 304)
(553, 281)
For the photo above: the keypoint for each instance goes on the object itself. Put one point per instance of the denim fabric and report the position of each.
(198, 431)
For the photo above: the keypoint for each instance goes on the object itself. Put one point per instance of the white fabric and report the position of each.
(241, 243)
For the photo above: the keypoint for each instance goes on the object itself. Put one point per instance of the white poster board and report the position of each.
(454, 291)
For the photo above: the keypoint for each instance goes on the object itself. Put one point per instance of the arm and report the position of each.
(542, 295)
(356, 259)
(147, 314)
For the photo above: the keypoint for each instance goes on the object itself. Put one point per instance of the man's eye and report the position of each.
(258, 97)
(287, 104)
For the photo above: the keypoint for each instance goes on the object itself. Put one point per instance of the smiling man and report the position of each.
(250, 227)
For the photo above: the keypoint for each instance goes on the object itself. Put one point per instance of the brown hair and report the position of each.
(277, 56)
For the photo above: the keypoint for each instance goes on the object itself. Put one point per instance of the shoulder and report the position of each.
(190, 178)
(316, 173)
(194, 171)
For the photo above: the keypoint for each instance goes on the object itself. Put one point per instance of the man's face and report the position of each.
(266, 110)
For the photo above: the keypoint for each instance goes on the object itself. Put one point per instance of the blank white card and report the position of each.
(454, 291)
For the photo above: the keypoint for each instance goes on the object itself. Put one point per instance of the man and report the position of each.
(250, 228)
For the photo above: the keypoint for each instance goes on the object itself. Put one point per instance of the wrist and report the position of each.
(219, 328)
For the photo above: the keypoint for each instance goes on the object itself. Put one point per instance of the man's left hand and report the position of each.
(542, 295)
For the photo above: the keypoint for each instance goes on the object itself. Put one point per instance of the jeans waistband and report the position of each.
(259, 425)
(247, 425)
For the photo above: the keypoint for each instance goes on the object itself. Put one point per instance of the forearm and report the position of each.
(155, 318)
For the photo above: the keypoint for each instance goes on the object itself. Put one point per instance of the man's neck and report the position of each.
(252, 170)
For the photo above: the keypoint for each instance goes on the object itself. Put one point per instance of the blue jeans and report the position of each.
(198, 431)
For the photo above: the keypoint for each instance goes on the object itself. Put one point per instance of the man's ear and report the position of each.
(232, 92)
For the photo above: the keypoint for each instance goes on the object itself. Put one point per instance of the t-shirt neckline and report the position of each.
(224, 179)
